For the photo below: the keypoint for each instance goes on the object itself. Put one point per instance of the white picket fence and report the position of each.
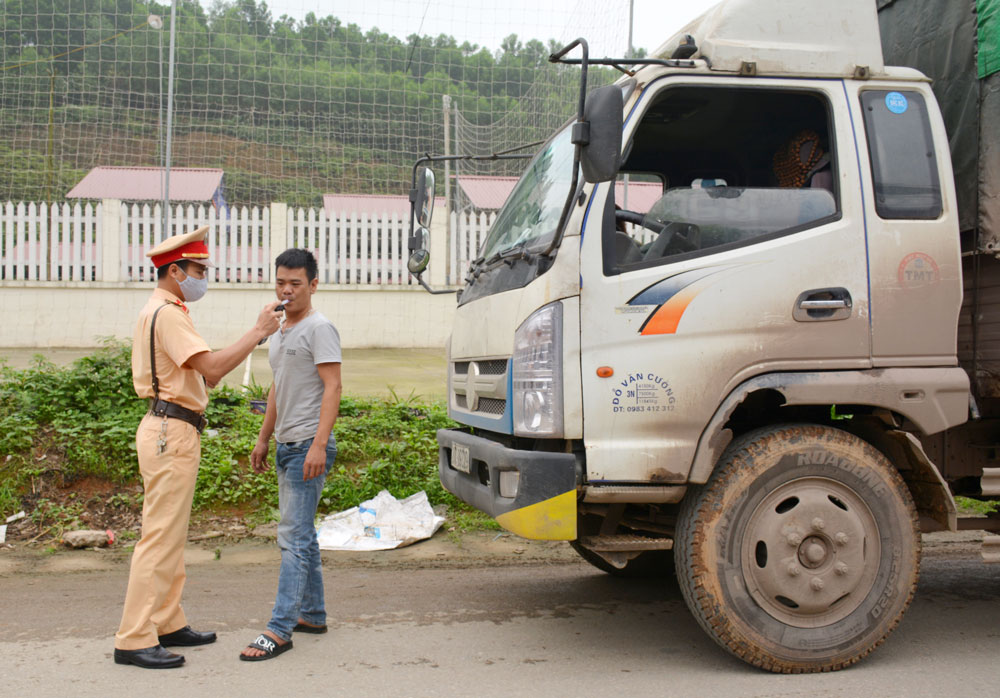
(238, 244)
(353, 248)
(64, 242)
(471, 229)
(50, 242)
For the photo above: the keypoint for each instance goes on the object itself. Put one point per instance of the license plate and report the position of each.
(460, 458)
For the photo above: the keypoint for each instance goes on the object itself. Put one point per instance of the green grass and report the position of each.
(975, 506)
(80, 420)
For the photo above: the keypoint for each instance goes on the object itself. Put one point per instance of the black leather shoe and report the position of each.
(149, 658)
(186, 637)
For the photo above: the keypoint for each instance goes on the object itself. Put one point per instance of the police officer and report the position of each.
(168, 443)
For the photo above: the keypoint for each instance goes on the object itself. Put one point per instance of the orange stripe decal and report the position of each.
(665, 319)
(672, 296)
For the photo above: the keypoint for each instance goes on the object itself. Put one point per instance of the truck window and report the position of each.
(901, 150)
(740, 165)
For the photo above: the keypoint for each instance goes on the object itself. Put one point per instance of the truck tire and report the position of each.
(652, 563)
(801, 552)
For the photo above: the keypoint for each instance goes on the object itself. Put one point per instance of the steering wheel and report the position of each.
(675, 238)
(637, 218)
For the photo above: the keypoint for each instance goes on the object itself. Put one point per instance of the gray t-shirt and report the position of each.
(298, 389)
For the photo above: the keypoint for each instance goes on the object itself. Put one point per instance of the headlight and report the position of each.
(537, 374)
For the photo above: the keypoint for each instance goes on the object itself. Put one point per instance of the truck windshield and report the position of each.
(531, 214)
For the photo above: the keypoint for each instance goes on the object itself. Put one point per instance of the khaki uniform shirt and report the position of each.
(176, 342)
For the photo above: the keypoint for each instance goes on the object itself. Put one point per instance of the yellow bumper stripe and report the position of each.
(551, 519)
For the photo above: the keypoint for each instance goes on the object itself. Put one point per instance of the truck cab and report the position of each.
(730, 378)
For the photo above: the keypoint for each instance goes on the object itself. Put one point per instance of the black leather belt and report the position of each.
(162, 408)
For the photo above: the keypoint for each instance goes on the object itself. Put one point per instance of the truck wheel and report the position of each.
(801, 552)
(652, 563)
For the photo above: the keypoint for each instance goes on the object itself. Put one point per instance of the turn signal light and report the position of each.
(605, 372)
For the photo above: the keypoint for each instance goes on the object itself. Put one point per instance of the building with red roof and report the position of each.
(196, 184)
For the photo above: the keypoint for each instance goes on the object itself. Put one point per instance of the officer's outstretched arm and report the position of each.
(214, 365)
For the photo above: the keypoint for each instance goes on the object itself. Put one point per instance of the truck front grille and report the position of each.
(480, 386)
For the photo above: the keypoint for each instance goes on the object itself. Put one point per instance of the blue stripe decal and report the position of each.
(583, 227)
(500, 425)
(864, 213)
(665, 289)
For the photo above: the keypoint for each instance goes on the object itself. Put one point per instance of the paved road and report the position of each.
(547, 625)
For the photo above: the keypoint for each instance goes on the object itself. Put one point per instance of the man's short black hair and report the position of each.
(297, 258)
(162, 271)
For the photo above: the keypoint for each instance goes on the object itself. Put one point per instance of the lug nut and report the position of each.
(794, 539)
(816, 583)
(841, 569)
(841, 538)
(794, 570)
(818, 524)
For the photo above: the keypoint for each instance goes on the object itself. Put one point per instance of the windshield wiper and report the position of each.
(507, 256)
(473, 273)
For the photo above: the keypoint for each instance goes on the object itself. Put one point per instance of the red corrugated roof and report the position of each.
(372, 205)
(641, 195)
(145, 184)
(490, 193)
(486, 193)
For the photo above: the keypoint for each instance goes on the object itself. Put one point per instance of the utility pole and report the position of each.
(446, 107)
(631, 19)
(170, 117)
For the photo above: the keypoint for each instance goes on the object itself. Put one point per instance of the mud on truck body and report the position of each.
(760, 380)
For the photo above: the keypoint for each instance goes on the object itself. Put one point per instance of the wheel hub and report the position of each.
(810, 552)
(814, 552)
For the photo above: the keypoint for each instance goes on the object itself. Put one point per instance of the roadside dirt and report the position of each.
(445, 550)
(448, 549)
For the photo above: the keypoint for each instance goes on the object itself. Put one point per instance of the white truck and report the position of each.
(756, 380)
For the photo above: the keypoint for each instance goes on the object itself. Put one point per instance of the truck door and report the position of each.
(914, 250)
(750, 259)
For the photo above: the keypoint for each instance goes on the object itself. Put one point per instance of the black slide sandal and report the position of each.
(270, 648)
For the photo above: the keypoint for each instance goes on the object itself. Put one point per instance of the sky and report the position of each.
(604, 23)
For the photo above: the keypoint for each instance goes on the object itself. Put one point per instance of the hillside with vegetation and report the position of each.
(289, 108)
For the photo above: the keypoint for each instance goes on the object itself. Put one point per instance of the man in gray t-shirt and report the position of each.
(302, 406)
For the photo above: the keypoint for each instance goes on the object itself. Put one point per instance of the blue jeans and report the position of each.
(300, 581)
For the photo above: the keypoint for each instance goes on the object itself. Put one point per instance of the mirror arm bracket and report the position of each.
(420, 280)
(581, 130)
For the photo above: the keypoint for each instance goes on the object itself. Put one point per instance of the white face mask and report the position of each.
(192, 288)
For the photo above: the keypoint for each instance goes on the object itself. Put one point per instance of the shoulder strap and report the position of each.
(152, 351)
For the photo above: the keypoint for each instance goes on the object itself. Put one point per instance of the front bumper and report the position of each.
(544, 505)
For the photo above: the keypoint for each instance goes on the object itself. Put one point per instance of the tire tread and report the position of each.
(691, 575)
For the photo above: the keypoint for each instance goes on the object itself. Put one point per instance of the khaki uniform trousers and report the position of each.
(156, 578)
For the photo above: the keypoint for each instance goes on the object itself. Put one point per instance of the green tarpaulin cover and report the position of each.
(988, 12)
(957, 44)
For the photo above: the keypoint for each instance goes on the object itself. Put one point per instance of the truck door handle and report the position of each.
(822, 304)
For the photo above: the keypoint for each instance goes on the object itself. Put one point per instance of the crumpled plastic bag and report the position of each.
(381, 523)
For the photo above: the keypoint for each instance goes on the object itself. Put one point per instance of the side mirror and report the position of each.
(423, 204)
(600, 157)
(418, 261)
(420, 257)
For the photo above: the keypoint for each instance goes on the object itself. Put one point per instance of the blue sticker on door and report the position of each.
(896, 103)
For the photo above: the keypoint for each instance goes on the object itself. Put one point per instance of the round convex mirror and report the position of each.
(418, 261)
